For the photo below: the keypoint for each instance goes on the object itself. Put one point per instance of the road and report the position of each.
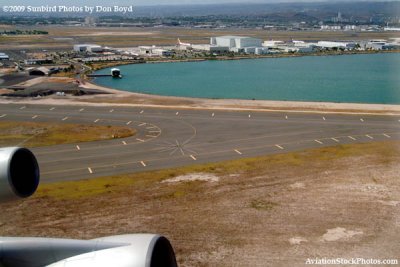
(170, 137)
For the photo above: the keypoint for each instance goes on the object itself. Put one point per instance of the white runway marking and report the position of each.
(286, 117)
(362, 120)
(64, 119)
(142, 124)
(82, 109)
(96, 120)
(249, 116)
(352, 138)
(78, 147)
(212, 115)
(151, 136)
(278, 146)
(324, 118)
(2, 116)
(111, 110)
(53, 108)
(144, 164)
(370, 137)
(22, 107)
(177, 113)
(129, 122)
(90, 170)
(123, 142)
(193, 157)
(388, 136)
(334, 139)
(237, 151)
(141, 112)
(154, 132)
(151, 127)
(319, 142)
(34, 117)
(140, 140)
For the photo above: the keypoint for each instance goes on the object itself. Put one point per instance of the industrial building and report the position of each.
(336, 45)
(88, 48)
(4, 56)
(236, 43)
(213, 49)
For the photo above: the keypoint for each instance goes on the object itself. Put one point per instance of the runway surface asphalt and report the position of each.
(172, 137)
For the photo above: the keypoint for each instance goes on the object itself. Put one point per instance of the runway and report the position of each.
(176, 137)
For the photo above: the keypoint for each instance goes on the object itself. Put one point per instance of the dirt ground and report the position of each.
(276, 210)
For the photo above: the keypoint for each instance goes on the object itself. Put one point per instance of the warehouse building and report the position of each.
(88, 48)
(236, 43)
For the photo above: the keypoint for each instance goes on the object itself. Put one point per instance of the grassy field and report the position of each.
(32, 134)
(277, 210)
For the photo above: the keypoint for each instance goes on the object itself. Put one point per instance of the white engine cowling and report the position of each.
(19, 173)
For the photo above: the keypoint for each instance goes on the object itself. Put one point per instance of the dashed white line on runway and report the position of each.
(53, 108)
(124, 143)
(249, 115)
(151, 127)
(324, 118)
(142, 124)
(2, 116)
(352, 138)
(319, 142)
(151, 136)
(370, 137)
(140, 140)
(141, 112)
(111, 110)
(22, 107)
(334, 139)
(362, 120)
(154, 132)
(193, 157)
(65, 118)
(388, 136)
(212, 115)
(129, 122)
(143, 164)
(90, 170)
(278, 146)
(78, 147)
(237, 151)
(177, 113)
(97, 120)
(82, 109)
(286, 117)
(34, 117)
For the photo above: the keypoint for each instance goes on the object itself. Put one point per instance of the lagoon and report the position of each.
(360, 78)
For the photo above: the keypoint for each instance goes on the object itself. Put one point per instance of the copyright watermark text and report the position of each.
(350, 261)
(67, 9)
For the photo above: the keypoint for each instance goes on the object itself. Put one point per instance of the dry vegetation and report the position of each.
(32, 134)
(278, 210)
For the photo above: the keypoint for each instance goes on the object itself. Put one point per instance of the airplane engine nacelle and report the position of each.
(137, 250)
(19, 173)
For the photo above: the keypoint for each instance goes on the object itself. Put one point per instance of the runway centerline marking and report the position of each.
(177, 113)
(123, 142)
(362, 120)
(286, 117)
(324, 118)
(90, 170)
(193, 157)
(129, 122)
(82, 109)
(352, 138)
(151, 127)
(237, 151)
(142, 124)
(64, 119)
(78, 147)
(2, 116)
(154, 131)
(34, 117)
(141, 112)
(336, 140)
(249, 115)
(53, 108)
(143, 164)
(319, 142)
(140, 140)
(151, 136)
(24, 107)
(212, 115)
(96, 120)
(388, 136)
(111, 110)
(370, 137)
(280, 147)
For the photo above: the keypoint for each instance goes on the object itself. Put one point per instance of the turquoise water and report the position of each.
(373, 78)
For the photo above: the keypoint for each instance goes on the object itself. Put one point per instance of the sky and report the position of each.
(147, 2)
